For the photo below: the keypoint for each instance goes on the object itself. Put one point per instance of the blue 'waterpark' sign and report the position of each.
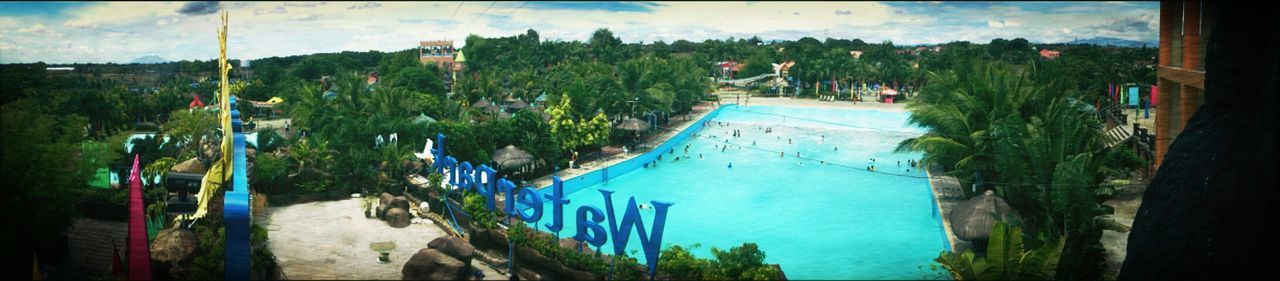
(483, 180)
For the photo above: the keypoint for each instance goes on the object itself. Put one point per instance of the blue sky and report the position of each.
(66, 32)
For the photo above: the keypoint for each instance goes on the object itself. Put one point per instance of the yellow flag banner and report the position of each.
(220, 172)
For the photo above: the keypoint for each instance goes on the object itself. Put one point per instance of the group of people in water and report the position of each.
(871, 163)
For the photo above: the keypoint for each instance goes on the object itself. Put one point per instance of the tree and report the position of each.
(573, 133)
(1036, 148)
(423, 79)
(191, 131)
(603, 46)
(43, 173)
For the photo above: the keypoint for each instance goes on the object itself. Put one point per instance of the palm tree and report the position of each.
(1040, 149)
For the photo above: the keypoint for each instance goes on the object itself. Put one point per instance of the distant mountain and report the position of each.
(1108, 41)
(148, 59)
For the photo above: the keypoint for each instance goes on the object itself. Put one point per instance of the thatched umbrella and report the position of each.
(191, 166)
(492, 109)
(423, 118)
(483, 102)
(173, 245)
(633, 124)
(518, 104)
(973, 219)
(511, 156)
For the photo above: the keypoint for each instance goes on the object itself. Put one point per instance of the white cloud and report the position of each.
(273, 29)
(34, 28)
(306, 17)
(113, 13)
(366, 5)
(305, 4)
(276, 10)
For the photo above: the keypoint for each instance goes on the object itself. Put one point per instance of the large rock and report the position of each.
(431, 264)
(1207, 212)
(173, 245)
(384, 203)
(400, 202)
(454, 247)
(398, 218)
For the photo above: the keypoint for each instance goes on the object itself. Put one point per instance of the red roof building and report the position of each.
(1048, 54)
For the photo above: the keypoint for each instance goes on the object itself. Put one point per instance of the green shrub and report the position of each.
(269, 172)
(261, 258)
(210, 256)
(270, 141)
(474, 204)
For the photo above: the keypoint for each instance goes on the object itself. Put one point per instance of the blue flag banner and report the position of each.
(1133, 96)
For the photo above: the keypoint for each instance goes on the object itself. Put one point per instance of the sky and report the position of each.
(100, 32)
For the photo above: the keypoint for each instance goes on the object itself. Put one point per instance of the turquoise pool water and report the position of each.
(831, 220)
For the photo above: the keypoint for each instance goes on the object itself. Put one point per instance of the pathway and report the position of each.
(330, 240)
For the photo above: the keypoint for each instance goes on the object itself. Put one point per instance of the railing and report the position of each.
(1113, 115)
(747, 80)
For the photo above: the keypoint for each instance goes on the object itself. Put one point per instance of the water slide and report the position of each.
(748, 80)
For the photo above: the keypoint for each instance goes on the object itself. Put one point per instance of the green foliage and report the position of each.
(270, 141)
(738, 260)
(421, 79)
(573, 133)
(1040, 146)
(345, 128)
(1006, 258)
(210, 256)
(158, 168)
(682, 265)
(270, 173)
(43, 172)
(745, 262)
(312, 164)
(474, 204)
(261, 259)
(622, 269)
(191, 130)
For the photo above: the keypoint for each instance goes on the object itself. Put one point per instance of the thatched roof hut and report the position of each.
(973, 219)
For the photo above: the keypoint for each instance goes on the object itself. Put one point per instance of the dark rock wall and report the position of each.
(1211, 211)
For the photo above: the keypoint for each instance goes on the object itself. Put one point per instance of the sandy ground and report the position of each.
(1126, 204)
(330, 240)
